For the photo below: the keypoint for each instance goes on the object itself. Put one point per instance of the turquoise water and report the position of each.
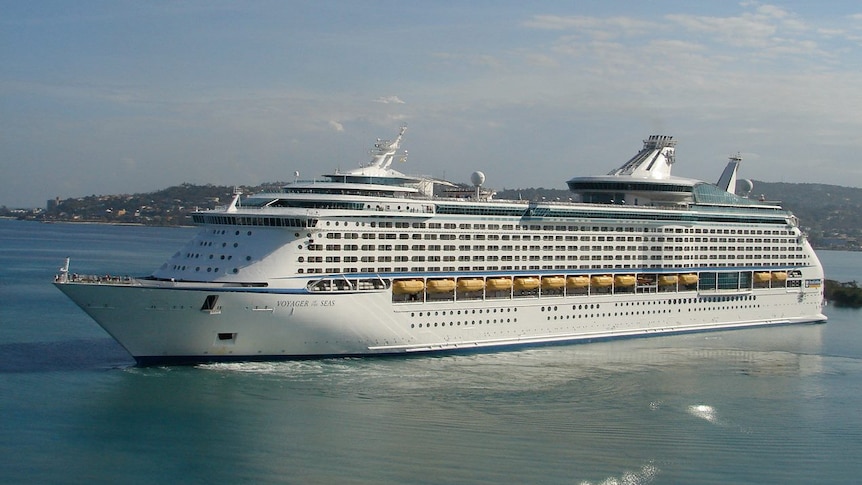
(775, 405)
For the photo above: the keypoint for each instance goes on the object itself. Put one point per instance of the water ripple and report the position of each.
(645, 475)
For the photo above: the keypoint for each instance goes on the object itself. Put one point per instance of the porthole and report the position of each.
(248, 258)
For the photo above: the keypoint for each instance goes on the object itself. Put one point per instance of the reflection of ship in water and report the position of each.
(792, 350)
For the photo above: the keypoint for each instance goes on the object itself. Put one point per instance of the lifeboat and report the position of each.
(553, 282)
(624, 280)
(498, 284)
(471, 284)
(668, 279)
(688, 279)
(578, 281)
(440, 286)
(779, 276)
(762, 277)
(602, 280)
(407, 287)
(526, 283)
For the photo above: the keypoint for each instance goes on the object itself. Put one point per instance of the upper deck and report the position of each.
(642, 188)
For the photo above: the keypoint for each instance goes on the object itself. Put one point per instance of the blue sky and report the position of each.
(129, 96)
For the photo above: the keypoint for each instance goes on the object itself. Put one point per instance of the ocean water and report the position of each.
(761, 406)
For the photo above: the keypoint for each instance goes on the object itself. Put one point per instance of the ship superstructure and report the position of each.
(370, 261)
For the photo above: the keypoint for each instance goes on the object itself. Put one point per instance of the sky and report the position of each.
(113, 97)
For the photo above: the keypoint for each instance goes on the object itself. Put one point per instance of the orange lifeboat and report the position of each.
(779, 276)
(440, 286)
(407, 287)
(471, 284)
(526, 283)
(602, 280)
(553, 282)
(688, 279)
(498, 284)
(578, 281)
(624, 280)
(668, 279)
(762, 277)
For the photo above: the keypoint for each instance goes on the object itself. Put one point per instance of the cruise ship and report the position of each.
(371, 261)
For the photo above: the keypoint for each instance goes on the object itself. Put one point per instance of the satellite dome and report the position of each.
(478, 178)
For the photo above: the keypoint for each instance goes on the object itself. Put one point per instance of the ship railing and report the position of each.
(94, 279)
(344, 283)
(561, 203)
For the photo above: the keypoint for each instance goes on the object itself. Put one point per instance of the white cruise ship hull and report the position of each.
(163, 323)
(372, 261)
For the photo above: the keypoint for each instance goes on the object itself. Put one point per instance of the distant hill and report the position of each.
(831, 214)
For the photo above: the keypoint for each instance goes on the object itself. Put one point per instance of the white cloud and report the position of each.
(586, 89)
(597, 27)
(389, 100)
